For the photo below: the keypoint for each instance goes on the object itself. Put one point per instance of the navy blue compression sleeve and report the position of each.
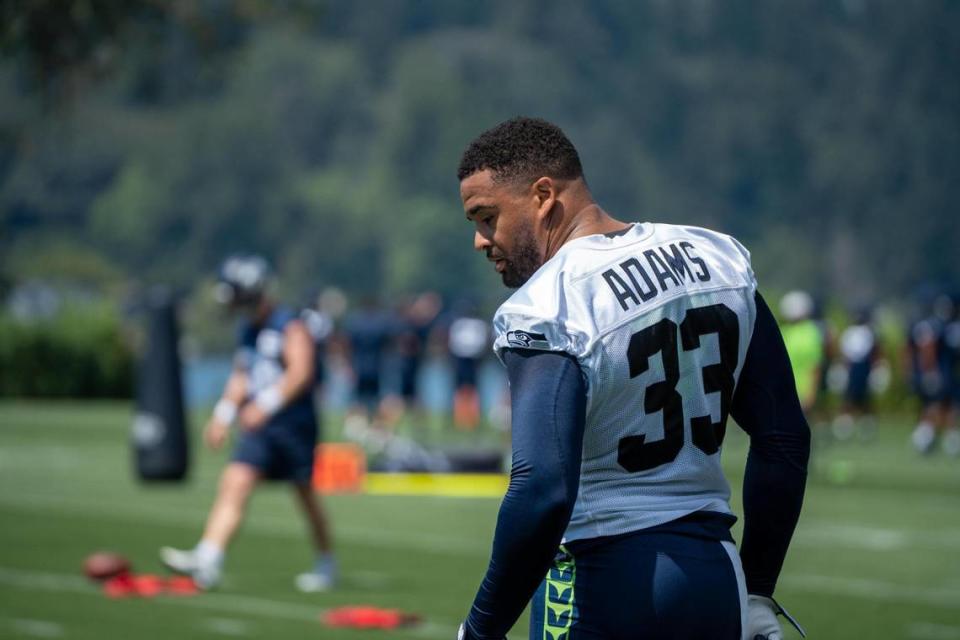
(766, 406)
(548, 402)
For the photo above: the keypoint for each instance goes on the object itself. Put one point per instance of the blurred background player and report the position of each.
(860, 350)
(804, 340)
(368, 331)
(951, 367)
(270, 394)
(925, 349)
(416, 321)
(468, 340)
(822, 411)
(319, 317)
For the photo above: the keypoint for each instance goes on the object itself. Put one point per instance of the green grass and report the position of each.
(877, 553)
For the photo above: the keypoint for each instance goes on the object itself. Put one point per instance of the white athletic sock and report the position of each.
(324, 563)
(209, 553)
(951, 442)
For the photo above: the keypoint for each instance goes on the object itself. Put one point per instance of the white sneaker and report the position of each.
(205, 574)
(924, 437)
(951, 442)
(322, 578)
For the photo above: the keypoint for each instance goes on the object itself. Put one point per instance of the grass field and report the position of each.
(876, 555)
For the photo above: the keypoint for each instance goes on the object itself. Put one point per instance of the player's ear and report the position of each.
(544, 191)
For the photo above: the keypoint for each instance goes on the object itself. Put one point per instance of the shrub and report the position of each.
(81, 352)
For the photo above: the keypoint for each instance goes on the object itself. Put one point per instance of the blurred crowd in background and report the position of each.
(846, 371)
(422, 365)
(848, 365)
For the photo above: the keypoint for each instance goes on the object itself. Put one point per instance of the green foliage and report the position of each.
(80, 353)
(326, 135)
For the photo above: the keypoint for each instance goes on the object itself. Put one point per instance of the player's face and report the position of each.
(505, 217)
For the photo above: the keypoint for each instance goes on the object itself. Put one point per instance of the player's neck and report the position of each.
(588, 219)
(262, 312)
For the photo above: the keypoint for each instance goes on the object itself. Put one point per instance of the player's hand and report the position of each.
(762, 623)
(252, 417)
(215, 434)
(762, 619)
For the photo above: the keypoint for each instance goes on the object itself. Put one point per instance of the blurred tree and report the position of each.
(161, 136)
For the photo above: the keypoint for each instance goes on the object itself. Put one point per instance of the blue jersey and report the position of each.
(370, 333)
(260, 356)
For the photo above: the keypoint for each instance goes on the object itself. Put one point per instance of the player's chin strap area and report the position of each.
(793, 621)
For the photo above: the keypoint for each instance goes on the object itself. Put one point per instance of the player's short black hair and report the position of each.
(522, 148)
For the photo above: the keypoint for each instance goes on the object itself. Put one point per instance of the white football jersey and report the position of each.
(659, 318)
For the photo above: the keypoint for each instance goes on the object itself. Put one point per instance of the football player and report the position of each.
(927, 355)
(269, 394)
(627, 345)
(860, 348)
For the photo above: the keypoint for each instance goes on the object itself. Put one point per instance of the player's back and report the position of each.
(260, 354)
(659, 317)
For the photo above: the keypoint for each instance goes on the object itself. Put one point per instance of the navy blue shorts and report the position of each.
(367, 391)
(641, 586)
(465, 372)
(280, 451)
(858, 385)
(408, 380)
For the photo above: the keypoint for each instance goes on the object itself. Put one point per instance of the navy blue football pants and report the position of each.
(642, 586)
(280, 451)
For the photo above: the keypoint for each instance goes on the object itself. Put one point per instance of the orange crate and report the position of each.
(339, 467)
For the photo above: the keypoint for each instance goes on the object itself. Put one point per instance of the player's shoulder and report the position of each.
(726, 244)
(546, 313)
(281, 318)
(535, 315)
(723, 252)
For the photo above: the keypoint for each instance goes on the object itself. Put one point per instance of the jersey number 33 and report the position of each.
(667, 339)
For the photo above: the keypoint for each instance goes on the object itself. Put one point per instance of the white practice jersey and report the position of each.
(659, 318)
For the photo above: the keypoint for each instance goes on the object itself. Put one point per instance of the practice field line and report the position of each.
(139, 512)
(227, 627)
(820, 534)
(809, 533)
(931, 631)
(37, 628)
(219, 602)
(814, 533)
(873, 590)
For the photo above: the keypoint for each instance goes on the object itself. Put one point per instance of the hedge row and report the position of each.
(81, 353)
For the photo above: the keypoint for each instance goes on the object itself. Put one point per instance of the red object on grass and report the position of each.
(119, 586)
(104, 565)
(366, 617)
(148, 585)
(182, 586)
(128, 585)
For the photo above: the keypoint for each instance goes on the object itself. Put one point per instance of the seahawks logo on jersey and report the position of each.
(527, 340)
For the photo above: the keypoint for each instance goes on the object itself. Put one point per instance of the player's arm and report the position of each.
(766, 406)
(548, 403)
(300, 361)
(297, 378)
(226, 409)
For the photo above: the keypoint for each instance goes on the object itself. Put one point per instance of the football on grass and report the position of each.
(104, 565)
